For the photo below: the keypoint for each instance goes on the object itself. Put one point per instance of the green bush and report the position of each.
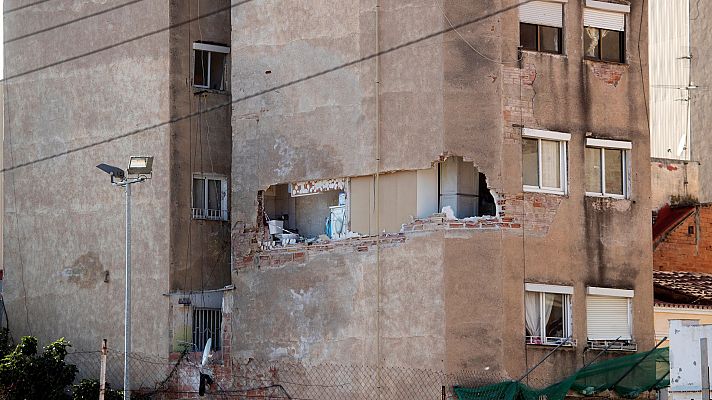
(88, 389)
(24, 374)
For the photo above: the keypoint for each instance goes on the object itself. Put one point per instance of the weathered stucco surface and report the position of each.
(200, 249)
(63, 220)
(701, 74)
(460, 291)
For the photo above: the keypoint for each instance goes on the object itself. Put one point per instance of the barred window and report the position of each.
(206, 325)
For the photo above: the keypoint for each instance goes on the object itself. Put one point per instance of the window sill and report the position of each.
(549, 346)
(606, 196)
(545, 53)
(612, 345)
(531, 189)
(593, 60)
(199, 90)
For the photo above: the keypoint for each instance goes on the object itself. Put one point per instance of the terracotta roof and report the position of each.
(668, 218)
(681, 287)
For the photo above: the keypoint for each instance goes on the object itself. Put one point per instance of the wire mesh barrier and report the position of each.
(179, 378)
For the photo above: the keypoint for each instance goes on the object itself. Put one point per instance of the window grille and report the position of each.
(206, 324)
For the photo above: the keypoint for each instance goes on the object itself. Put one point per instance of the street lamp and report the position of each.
(139, 169)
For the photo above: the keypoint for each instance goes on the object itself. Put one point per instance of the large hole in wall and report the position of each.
(333, 209)
(304, 212)
(452, 186)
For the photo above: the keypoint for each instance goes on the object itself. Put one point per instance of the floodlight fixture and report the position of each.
(140, 167)
(115, 172)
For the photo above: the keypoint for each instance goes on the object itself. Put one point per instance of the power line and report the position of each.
(123, 42)
(261, 92)
(18, 8)
(63, 24)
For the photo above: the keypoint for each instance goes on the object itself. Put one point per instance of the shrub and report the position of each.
(24, 374)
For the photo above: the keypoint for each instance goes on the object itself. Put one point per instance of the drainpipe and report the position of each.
(377, 200)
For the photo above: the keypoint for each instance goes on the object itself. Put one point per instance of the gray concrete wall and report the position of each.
(701, 146)
(458, 293)
(63, 220)
(200, 249)
(674, 181)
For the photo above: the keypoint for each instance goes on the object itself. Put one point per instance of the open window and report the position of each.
(548, 314)
(604, 31)
(209, 66)
(210, 197)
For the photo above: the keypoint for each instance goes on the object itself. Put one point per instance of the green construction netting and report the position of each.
(628, 376)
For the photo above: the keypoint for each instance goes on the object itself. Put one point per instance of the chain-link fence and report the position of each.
(178, 378)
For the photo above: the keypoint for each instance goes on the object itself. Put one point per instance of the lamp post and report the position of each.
(139, 169)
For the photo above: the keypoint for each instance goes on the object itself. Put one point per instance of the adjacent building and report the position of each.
(97, 82)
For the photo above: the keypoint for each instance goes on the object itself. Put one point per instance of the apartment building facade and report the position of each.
(429, 184)
(98, 82)
(439, 184)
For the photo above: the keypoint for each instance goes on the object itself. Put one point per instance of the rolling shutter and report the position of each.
(608, 318)
(613, 21)
(547, 13)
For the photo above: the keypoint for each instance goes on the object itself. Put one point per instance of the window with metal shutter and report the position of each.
(613, 21)
(547, 13)
(608, 318)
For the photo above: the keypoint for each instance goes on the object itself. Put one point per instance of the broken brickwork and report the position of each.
(610, 73)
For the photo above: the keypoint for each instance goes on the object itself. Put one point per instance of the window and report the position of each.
(608, 314)
(547, 314)
(540, 27)
(206, 325)
(209, 66)
(209, 197)
(544, 160)
(604, 31)
(607, 168)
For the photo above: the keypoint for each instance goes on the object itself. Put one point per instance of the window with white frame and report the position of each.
(609, 314)
(604, 31)
(209, 197)
(547, 314)
(607, 167)
(209, 65)
(544, 160)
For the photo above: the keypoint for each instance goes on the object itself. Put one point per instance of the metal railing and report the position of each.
(210, 214)
(550, 341)
(206, 324)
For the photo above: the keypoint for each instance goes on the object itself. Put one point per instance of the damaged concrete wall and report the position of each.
(438, 97)
(700, 99)
(200, 249)
(70, 92)
(674, 182)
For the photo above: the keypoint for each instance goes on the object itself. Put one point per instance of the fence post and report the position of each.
(102, 374)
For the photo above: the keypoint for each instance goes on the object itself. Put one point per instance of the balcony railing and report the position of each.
(550, 341)
(209, 214)
(613, 345)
